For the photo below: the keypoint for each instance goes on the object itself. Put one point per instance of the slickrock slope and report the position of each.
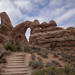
(41, 34)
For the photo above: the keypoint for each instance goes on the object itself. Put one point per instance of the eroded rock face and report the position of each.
(6, 25)
(42, 35)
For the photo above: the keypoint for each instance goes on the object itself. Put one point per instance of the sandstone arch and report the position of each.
(48, 33)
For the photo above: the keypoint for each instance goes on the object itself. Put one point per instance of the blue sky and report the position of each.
(62, 11)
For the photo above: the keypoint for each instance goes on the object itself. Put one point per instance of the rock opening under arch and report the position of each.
(27, 34)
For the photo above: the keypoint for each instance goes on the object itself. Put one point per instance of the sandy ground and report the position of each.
(50, 58)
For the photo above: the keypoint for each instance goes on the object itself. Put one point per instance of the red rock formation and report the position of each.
(42, 35)
(6, 25)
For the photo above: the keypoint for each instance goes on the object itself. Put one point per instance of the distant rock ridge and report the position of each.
(42, 35)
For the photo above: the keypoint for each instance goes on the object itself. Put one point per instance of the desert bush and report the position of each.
(12, 42)
(44, 55)
(72, 59)
(17, 43)
(60, 58)
(19, 49)
(33, 64)
(52, 48)
(67, 68)
(65, 59)
(27, 48)
(30, 62)
(53, 45)
(36, 48)
(56, 62)
(58, 53)
(41, 64)
(39, 59)
(49, 65)
(44, 71)
(73, 74)
(7, 52)
(39, 53)
(67, 49)
(53, 71)
(8, 46)
(73, 65)
(3, 60)
(12, 47)
(36, 73)
(65, 56)
(31, 51)
(55, 55)
(33, 56)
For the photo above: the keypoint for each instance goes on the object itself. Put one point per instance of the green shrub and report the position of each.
(17, 43)
(8, 46)
(30, 62)
(39, 53)
(73, 65)
(33, 57)
(49, 65)
(56, 62)
(65, 59)
(55, 54)
(3, 60)
(12, 42)
(7, 52)
(72, 59)
(41, 64)
(44, 55)
(37, 73)
(52, 48)
(53, 45)
(73, 74)
(67, 68)
(27, 48)
(60, 59)
(18, 47)
(34, 64)
(12, 47)
(36, 48)
(39, 59)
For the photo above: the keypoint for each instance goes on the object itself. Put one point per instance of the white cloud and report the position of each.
(67, 25)
(69, 14)
(25, 5)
